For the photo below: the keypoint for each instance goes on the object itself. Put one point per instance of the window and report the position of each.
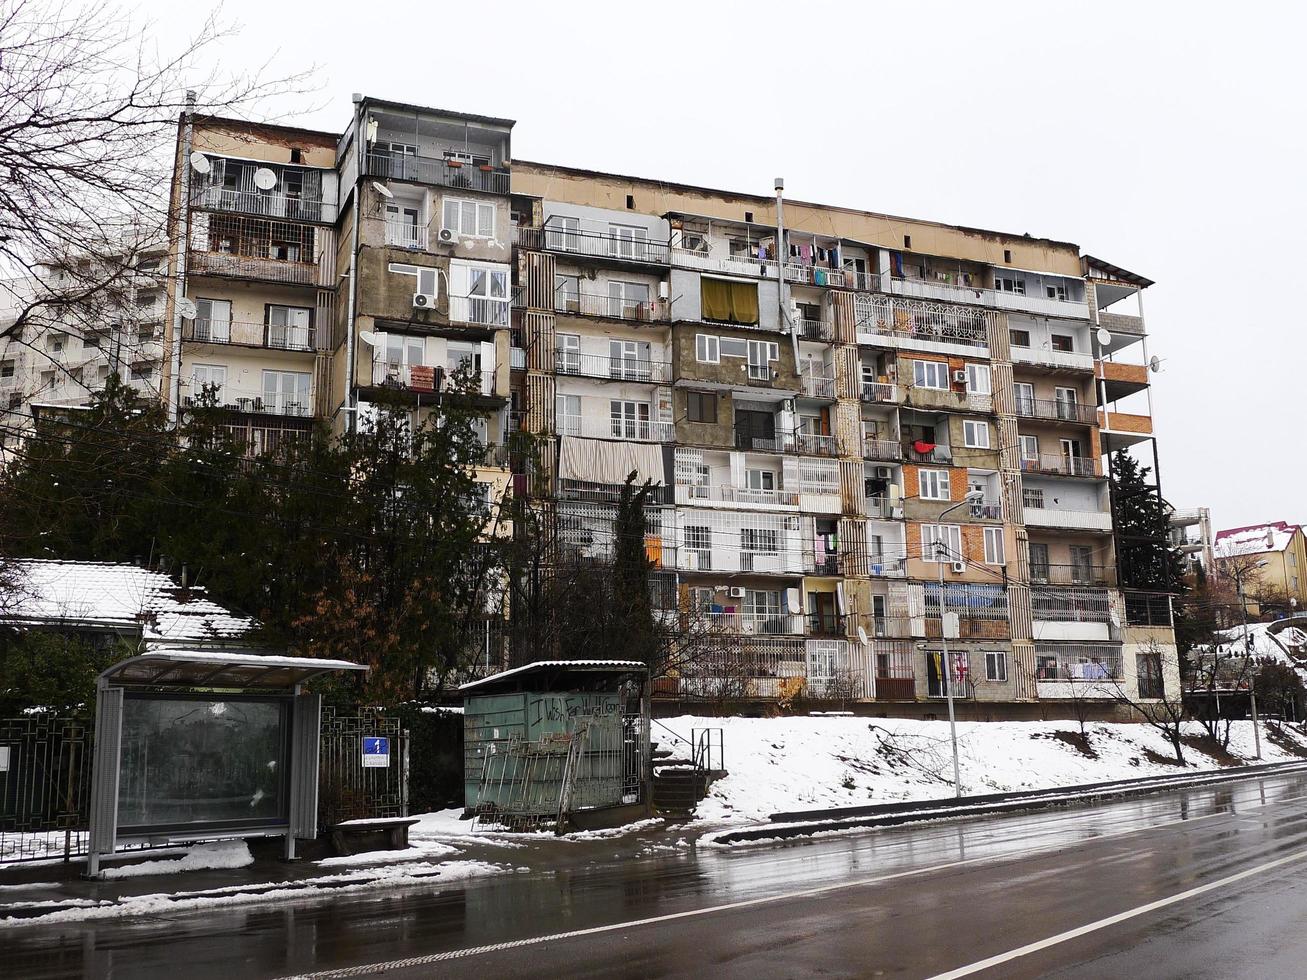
(213, 320)
(286, 392)
(1029, 448)
(705, 349)
(761, 354)
(629, 360)
(563, 233)
(1019, 338)
(1007, 284)
(628, 419)
(975, 434)
(995, 665)
(978, 382)
(760, 479)
(1032, 497)
(994, 546)
(628, 300)
(469, 219)
(426, 278)
(1025, 394)
(930, 374)
(728, 301)
(213, 375)
(567, 414)
(698, 542)
(478, 293)
(1055, 292)
(288, 327)
(469, 159)
(1067, 403)
(701, 406)
(933, 484)
(568, 356)
(6, 370)
(628, 241)
(1038, 558)
(760, 540)
(733, 347)
(567, 293)
(141, 372)
(764, 609)
(1082, 564)
(1064, 342)
(947, 535)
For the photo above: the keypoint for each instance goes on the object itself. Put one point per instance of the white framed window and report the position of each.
(761, 354)
(469, 219)
(567, 414)
(468, 159)
(214, 375)
(627, 299)
(975, 434)
(1029, 448)
(1007, 284)
(933, 484)
(478, 293)
(706, 350)
(930, 374)
(567, 293)
(1053, 291)
(426, 278)
(733, 347)
(568, 346)
(400, 350)
(563, 233)
(994, 546)
(628, 241)
(286, 392)
(949, 535)
(212, 320)
(760, 479)
(402, 226)
(978, 380)
(1025, 396)
(288, 326)
(628, 419)
(996, 665)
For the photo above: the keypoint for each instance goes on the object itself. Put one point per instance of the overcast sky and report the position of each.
(1165, 138)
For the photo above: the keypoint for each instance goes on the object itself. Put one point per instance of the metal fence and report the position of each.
(348, 790)
(45, 787)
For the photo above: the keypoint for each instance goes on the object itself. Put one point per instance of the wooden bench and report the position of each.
(379, 834)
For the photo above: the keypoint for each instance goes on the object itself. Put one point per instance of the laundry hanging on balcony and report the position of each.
(611, 462)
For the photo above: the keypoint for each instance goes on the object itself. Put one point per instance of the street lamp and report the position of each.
(1238, 574)
(972, 498)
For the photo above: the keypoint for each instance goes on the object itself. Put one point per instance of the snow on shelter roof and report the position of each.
(220, 669)
(115, 596)
(547, 670)
(1254, 539)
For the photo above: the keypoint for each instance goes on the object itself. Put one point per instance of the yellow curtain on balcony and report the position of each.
(729, 302)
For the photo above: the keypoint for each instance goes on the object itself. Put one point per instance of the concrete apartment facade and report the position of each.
(874, 436)
(1270, 558)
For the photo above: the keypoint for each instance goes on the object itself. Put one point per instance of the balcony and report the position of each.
(405, 234)
(948, 400)
(1071, 605)
(242, 334)
(787, 442)
(756, 624)
(617, 246)
(824, 564)
(927, 452)
(1059, 359)
(1126, 423)
(251, 200)
(437, 170)
(480, 310)
(813, 275)
(879, 392)
(426, 377)
(1056, 410)
(1069, 520)
(812, 444)
(630, 430)
(1101, 576)
(719, 259)
(245, 247)
(971, 627)
(605, 367)
(724, 494)
(818, 386)
(914, 325)
(887, 449)
(606, 493)
(1077, 663)
(297, 405)
(612, 307)
(881, 507)
(825, 624)
(818, 330)
(253, 267)
(1148, 609)
(1054, 464)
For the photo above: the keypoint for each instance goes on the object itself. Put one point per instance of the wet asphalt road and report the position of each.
(900, 902)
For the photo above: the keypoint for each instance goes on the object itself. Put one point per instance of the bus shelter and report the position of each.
(206, 744)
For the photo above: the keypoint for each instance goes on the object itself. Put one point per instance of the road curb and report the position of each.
(791, 825)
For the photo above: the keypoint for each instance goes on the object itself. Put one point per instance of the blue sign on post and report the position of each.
(376, 752)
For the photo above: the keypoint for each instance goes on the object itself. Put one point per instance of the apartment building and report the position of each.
(874, 438)
(1271, 561)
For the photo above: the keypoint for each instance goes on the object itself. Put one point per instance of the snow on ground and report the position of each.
(414, 851)
(217, 854)
(806, 763)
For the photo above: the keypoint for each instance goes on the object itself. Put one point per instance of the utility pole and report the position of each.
(946, 668)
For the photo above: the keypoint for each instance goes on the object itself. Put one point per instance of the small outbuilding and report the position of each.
(561, 743)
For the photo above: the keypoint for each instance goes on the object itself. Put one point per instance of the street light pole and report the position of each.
(946, 669)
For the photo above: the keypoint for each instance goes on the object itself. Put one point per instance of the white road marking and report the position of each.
(454, 954)
(1112, 920)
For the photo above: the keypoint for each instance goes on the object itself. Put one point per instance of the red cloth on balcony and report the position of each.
(923, 447)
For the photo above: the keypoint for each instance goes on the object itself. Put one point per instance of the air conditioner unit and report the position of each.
(737, 592)
(959, 567)
(883, 472)
(959, 377)
(447, 236)
(424, 301)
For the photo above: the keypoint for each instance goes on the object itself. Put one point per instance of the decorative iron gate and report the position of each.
(45, 787)
(349, 790)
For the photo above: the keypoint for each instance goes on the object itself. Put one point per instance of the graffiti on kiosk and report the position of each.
(559, 707)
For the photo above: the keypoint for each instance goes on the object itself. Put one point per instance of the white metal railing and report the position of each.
(1046, 357)
(405, 234)
(1071, 605)
(1061, 465)
(1085, 520)
(480, 310)
(879, 391)
(631, 430)
(814, 275)
(723, 493)
(916, 320)
(422, 377)
(720, 260)
(888, 449)
(818, 386)
(614, 307)
(577, 364)
(298, 404)
(246, 334)
(750, 624)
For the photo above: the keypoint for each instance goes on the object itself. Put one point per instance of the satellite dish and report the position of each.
(383, 190)
(1154, 364)
(265, 179)
(862, 636)
(187, 309)
(368, 337)
(200, 163)
(1104, 336)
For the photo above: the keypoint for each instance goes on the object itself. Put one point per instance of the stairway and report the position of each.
(677, 785)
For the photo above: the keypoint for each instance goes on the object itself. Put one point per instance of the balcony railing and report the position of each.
(864, 282)
(575, 364)
(257, 402)
(719, 260)
(253, 267)
(820, 330)
(918, 321)
(936, 454)
(823, 564)
(437, 170)
(1073, 663)
(290, 206)
(1061, 465)
(424, 377)
(879, 391)
(605, 245)
(787, 442)
(1079, 520)
(754, 624)
(606, 493)
(614, 307)
(1084, 574)
(825, 624)
(1071, 605)
(814, 445)
(813, 275)
(479, 310)
(404, 234)
(631, 430)
(1061, 411)
(1047, 357)
(723, 493)
(818, 386)
(248, 334)
(888, 449)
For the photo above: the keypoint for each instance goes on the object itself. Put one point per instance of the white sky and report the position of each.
(1165, 138)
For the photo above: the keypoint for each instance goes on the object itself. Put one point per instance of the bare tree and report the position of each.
(88, 116)
(1165, 714)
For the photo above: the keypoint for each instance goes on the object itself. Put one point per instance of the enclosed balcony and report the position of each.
(1061, 665)
(266, 190)
(241, 247)
(1071, 520)
(914, 325)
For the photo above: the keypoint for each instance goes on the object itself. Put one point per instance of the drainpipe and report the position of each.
(782, 253)
(351, 411)
(174, 393)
